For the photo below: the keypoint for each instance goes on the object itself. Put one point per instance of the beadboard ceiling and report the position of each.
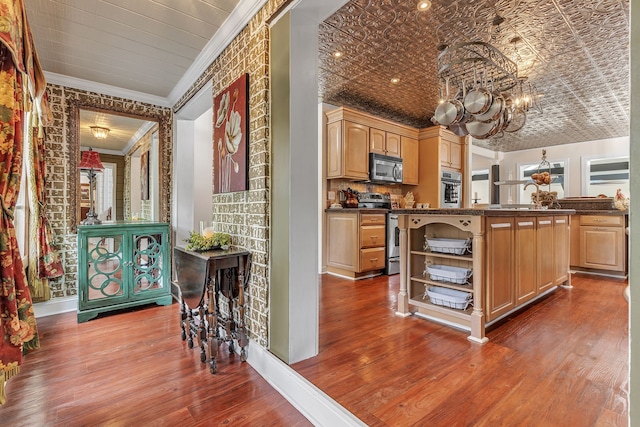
(155, 47)
(575, 52)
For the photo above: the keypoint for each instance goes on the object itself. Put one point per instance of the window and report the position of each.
(480, 186)
(105, 198)
(558, 175)
(605, 176)
(21, 212)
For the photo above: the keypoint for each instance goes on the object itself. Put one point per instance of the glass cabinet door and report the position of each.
(147, 263)
(104, 267)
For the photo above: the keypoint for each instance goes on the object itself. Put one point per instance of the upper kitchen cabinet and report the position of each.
(409, 153)
(352, 135)
(450, 153)
(347, 150)
(382, 142)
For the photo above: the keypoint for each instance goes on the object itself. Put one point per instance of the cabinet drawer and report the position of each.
(601, 220)
(371, 259)
(372, 236)
(373, 219)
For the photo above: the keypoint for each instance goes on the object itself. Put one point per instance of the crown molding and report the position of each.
(237, 20)
(88, 85)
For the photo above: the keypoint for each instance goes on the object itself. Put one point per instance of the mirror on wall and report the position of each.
(128, 146)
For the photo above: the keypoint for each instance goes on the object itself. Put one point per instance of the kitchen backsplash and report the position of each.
(336, 185)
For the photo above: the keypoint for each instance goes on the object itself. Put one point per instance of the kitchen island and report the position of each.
(487, 263)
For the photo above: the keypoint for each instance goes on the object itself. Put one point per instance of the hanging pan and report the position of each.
(450, 111)
(478, 100)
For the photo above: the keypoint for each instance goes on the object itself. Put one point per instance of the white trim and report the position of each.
(237, 20)
(104, 89)
(197, 105)
(55, 306)
(312, 402)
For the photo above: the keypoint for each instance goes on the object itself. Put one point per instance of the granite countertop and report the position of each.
(601, 212)
(365, 210)
(487, 212)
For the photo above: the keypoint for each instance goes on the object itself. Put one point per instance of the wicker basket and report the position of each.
(447, 273)
(449, 246)
(448, 297)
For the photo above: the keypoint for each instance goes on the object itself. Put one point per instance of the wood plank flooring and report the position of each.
(132, 369)
(562, 362)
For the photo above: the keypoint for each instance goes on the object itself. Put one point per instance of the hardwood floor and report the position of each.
(562, 362)
(132, 369)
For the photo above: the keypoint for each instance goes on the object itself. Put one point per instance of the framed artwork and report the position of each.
(144, 176)
(231, 137)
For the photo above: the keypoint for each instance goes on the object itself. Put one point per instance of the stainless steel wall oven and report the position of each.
(450, 189)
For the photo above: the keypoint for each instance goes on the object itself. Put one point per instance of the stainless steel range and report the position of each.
(374, 200)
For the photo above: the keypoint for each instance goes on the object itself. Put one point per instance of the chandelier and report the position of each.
(483, 95)
(99, 132)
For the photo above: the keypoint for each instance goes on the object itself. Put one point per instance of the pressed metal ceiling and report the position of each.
(575, 52)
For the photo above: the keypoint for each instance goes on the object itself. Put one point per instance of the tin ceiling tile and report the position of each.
(576, 53)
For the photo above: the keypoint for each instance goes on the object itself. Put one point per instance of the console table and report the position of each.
(202, 277)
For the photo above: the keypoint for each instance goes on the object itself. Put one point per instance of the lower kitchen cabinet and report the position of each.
(526, 256)
(121, 265)
(355, 243)
(599, 243)
(500, 245)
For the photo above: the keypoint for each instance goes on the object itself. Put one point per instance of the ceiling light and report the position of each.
(337, 54)
(99, 132)
(395, 80)
(424, 5)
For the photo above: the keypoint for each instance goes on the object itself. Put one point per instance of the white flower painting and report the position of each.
(230, 134)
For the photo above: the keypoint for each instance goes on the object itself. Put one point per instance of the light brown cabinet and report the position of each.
(561, 247)
(526, 256)
(598, 242)
(525, 260)
(500, 245)
(352, 135)
(382, 142)
(410, 158)
(451, 154)
(602, 242)
(347, 150)
(355, 242)
(436, 147)
(545, 254)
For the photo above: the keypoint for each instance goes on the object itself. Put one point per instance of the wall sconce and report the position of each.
(99, 132)
(90, 162)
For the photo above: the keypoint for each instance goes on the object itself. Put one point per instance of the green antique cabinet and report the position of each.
(121, 265)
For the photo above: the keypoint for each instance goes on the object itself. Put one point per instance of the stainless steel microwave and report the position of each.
(385, 169)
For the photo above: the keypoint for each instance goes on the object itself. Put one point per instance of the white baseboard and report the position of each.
(55, 306)
(312, 402)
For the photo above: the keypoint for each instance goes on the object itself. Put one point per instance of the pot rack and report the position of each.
(483, 69)
(475, 62)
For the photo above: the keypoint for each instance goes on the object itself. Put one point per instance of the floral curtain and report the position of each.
(21, 81)
(44, 259)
